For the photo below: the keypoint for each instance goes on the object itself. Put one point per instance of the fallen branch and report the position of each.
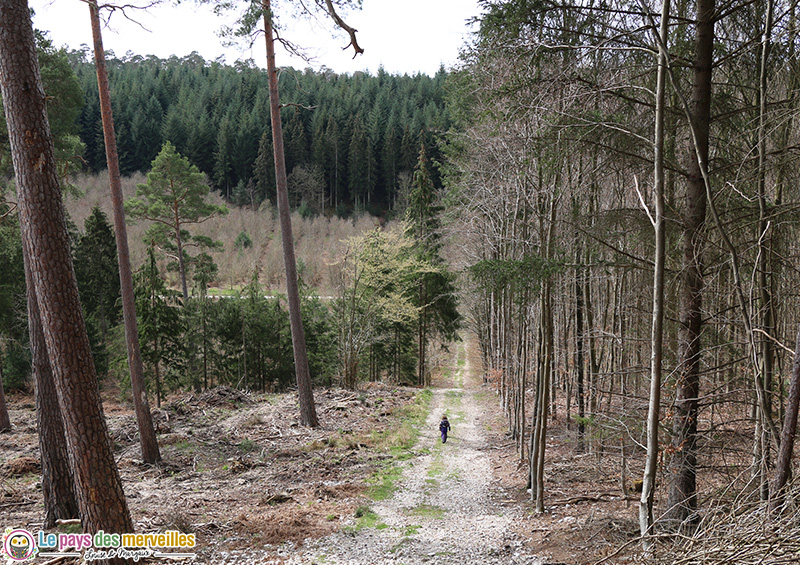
(13, 504)
(602, 497)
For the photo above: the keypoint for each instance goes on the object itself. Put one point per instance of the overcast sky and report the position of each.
(405, 36)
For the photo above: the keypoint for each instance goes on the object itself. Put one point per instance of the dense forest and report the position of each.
(351, 141)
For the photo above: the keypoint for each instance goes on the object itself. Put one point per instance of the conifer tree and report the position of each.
(173, 197)
(97, 272)
(147, 435)
(436, 300)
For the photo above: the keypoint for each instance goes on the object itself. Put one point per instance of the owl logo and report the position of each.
(19, 545)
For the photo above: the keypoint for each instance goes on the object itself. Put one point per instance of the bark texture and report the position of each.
(783, 466)
(657, 331)
(58, 486)
(682, 501)
(44, 237)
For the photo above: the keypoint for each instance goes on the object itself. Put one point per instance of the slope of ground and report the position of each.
(443, 510)
(256, 487)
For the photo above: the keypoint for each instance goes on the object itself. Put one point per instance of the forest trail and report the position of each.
(442, 511)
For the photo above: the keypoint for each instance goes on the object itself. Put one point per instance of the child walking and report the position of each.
(444, 427)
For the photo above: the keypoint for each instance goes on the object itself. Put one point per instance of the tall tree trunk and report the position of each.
(580, 365)
(44, 237)
(5, 421)
(308, 413)
(767, 322)
(421, 337)
(682, 500)
(657, 330)
(181, 262)
(58, 485)
(144, 420)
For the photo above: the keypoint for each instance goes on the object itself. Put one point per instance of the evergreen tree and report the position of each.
(161, 325)
(436, 297)
(215, 115)
(173, 197)
(264, 171)
(97, 272)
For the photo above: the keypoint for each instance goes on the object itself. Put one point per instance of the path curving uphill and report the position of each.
(442, 511)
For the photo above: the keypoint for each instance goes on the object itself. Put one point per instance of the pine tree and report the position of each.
(97, 272)
(173, 197)
(100, 496)
(436, 298)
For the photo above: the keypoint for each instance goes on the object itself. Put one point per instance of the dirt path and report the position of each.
(442, 512)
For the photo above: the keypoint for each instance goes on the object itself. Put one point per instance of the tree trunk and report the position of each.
(657, 331)
(144, 420)
(181, 262)
(58, 485)
(580, 393)
(5, 421)
(308, 413)
(682, 501)
(767, 323)
(44, 237)
(783, 466)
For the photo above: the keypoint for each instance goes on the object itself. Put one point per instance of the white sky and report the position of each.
(405, 36)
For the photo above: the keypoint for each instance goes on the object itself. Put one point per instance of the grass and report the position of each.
(384, 482)
(401, 438)
(247, 445)
(436, 467)
(367, 518)
(398, 440)
(70, 528)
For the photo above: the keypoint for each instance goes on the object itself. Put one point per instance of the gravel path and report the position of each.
(442, 512)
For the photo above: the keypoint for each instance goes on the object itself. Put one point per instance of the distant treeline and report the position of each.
(352, 141)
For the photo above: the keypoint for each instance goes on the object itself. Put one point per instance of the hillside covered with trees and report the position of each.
(351, 141)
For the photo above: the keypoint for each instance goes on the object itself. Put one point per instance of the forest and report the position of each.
(600, 198)
(351, 141)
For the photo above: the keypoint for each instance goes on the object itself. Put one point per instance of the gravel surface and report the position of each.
(442, 512)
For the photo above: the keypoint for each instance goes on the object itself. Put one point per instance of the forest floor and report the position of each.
(256, 487)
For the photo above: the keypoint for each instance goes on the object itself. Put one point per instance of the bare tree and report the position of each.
(44, 237)
(147, 434)
(657, 333)
(783, 465)
(308, 413)
(5, 421)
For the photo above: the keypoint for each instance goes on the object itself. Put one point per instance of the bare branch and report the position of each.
(350, 31)
(641, 200)
(12, 207)
(125, 9)
(298, 106)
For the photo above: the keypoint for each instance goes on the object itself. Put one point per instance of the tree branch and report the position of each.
(350, 31)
